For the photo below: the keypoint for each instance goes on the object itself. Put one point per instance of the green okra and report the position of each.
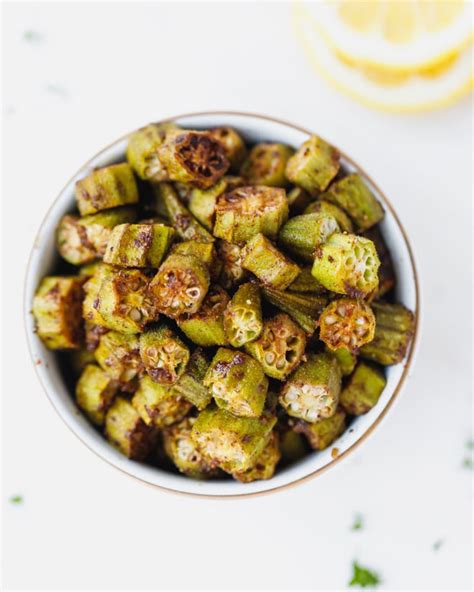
(313, 166)
(321, 206)
(322, 434)
(190, 385)
(202, 202)
(232, 273)
(94, 278)
(346, 323)
(233, 144)
(305, 282)
(138, 245)
(280, 347)
(163, 354)
(180, 285)
(95, 391)
(268, 264)
(243, 315)
(363, 389)
(347, 264)
(347, 359)
(352, 195)
(248, 211)
(126, 431)
(106, 188)
(237, 383)
(266, 164)
(292, 446)
(119, 356)
(184, 453)
(302, 235)
(89, 269)
(159, 405)
(304, 308)
(142, 151)
(312, 391)
(192, 157)
(231, 442)
(206, 326)
(387, 278)
(298, 200)
(205, 252)
(394, 329)
(264, 465)
(57, 312)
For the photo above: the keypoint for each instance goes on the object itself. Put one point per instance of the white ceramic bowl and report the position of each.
(43, 258)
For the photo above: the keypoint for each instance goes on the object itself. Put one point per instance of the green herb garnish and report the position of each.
(438, 544)
(363, 577)
(16, 499)
(358, 522)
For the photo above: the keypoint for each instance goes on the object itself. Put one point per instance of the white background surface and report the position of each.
(100, 70)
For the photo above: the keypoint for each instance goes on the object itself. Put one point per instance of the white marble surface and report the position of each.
(99, 70)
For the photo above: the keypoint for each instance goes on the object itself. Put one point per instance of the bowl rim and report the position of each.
(407, 363)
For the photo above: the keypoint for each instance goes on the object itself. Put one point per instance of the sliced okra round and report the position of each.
(190, 385)
(159, 405)
(266, 164)
(142, 151)
(163, 354)
(363, 389)
(322, 206)
(233, 144)
(118, 355)
(202, 202)
(232, 273)
(347, 323)
(95, 391)
(322, 434)
(265, 463)
(206, 326)
(126, 431)
(243, 315)
(302, 235)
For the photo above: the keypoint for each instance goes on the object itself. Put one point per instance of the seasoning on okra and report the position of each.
(322, 434)
(202, 202)
(190, 385)
(347, 323)
(163, 354)
(321, 206)
(95, 391)
(302, 235)
(92, 336)
(126, 431)
(118, 355)
(206, 326)
(303, 308)
(264, 465)
(243, 315)
(266, 164)
(159, 405)
(232, 272)
(387, 278)
(233, 144)
(363, 389)
(142, 151)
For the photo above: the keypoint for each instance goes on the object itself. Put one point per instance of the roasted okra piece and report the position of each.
(159, 405)
(302, 235)
(202, 202)
(394, 327)
(190, 385)
(163, 354)
(363, 389)
(268, 263)
(313, 166)
(232, 273)
(93, 333)
(95, 391)
(266, 164)
(138, 245)
(233, 443)
(327, 208)
(119, 356)
(91, 293)
(243, 315)
(142, 151)
(193, 157)
(322, 434)
(247, 211)
(303, 308)
(106, 188)
(352, 195)
(264, 465)
(57, 312)
(233, 144)
(126, 431)
(312, 391)
(206, 326)
(280, 347)
(386, 271)
(184, 453)
(305, 282)
(180, 285)
(347, 359)
(205, 252)
(347, 264)
(346, 323)
(237, 383)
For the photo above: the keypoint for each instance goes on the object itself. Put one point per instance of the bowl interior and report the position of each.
(43, 260)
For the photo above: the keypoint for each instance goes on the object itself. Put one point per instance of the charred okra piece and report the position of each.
(142, 151)
(206, 326)
(386, 271)
(138, 245)
(302, 235)
(106, 188)
(354, 197)
(298, 200)
(184, 453)
(237, 383)
(202, 202)
(266, 164)
(347, 360)
(233, 443)
(93, 333)
(264, 465)
(322, 434)
(305, 282)
(180, 285)
(313, 166)
(91, 292)
(95, 391)
(232, 272)
(347, 264)
(119, 356)
(280, 347)
(158, 405)
(193, 157)
(190, 385)
(363, 389)
(57, 311)
(243, 315)
(126, 431)
(205, 252)
(303, 308)
(268, 264)
(233, 144)
(327, 208)
(394, 328)
(163, 354)
(247, 211)
(312, 391)
(292, 446)
(346, 323)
